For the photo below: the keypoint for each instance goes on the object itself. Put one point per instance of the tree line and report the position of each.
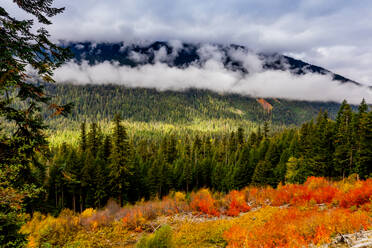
(107, 166)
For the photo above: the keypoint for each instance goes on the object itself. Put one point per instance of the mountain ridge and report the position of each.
(182, 55)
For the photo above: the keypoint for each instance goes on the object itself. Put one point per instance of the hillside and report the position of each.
(99, 102)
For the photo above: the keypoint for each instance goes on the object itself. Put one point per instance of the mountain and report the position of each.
(182, 55)
(101, 102)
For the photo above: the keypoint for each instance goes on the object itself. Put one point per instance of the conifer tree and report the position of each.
(233, 144)
(343, 142)
(101, 176)
(240, 136)
(323, 146)
(88, 180)
(120, 167)
(93, 139)
(266, 129)
(281, 168)
(187, 175)
(72, 174)
(171, 150)
(359, 128)
(263, 174)
(106, 148)
(244, 170)
(364, 163)
(83, 137)
(253, 139)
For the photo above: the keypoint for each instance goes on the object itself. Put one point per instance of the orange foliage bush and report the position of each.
(133, 219)
(357, 196)
(236, 203)
(314, 183)
(202, 201)
(295, 228)
(315, 189)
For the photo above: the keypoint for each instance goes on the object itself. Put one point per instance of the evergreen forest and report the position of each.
(104, 165)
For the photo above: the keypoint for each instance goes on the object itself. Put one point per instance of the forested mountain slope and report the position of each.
(98, 102)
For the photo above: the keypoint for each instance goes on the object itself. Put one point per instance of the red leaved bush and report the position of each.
(315, 189)
(236, 203)
(358, 196)
(202, 201)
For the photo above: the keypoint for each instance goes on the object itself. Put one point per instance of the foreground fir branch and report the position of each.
(22, 51)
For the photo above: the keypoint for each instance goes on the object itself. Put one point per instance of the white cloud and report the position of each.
(305, 27)
(214, 76)
(161, 55)
(249, 60)
(137, 57)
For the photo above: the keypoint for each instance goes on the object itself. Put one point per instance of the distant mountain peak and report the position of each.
(177, 54)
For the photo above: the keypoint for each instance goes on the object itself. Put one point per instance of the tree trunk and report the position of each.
(62, 198)
(74, 201)
(81, 200)
(56, 193)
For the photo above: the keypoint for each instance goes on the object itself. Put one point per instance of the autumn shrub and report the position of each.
(92, 219)
(292, 227)
(236, 203)
(179, 196)
(136, 216)
(356, 196)
(285, 194)
(202, 201)
(314, 183)
(300, 223)
(87, 213)
(259, 196)
(162, 238)
(315, 190)
(108, 236)
(197, 234)
(133, 218)
(50, 231)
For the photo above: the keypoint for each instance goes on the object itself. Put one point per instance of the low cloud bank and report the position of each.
(213, 75)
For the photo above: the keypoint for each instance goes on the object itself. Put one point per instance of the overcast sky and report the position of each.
(335, 34)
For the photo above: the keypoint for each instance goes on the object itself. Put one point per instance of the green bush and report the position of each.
(162, 238)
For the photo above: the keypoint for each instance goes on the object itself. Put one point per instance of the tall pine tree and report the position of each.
(120, 167)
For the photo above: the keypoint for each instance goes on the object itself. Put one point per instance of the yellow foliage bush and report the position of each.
(179, 196)
(49, 231)
(88, 213)
(110, 236)
(206, 234)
